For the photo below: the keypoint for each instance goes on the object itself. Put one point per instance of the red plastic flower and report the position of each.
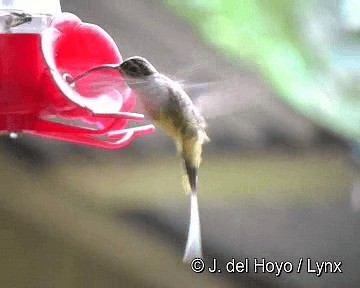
(95, 111)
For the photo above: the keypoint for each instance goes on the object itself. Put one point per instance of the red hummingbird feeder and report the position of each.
(36, 97)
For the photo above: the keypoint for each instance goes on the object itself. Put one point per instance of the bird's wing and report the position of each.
(225, 97)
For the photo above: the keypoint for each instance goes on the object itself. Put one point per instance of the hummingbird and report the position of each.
(10, 20)
(173, 111)
(168, 105)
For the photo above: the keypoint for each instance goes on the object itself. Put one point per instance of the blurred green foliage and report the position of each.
(296, 49)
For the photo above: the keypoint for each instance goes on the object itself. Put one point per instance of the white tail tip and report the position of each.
(193, 247)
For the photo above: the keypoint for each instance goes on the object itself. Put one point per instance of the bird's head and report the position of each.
(137, 67)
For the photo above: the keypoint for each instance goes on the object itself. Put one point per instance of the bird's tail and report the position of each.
(192, 176)
(191, 150)
(193, 248)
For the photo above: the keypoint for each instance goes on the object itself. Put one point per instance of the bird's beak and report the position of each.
(120, 70)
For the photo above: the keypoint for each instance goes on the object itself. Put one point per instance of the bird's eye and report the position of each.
(133, 69)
